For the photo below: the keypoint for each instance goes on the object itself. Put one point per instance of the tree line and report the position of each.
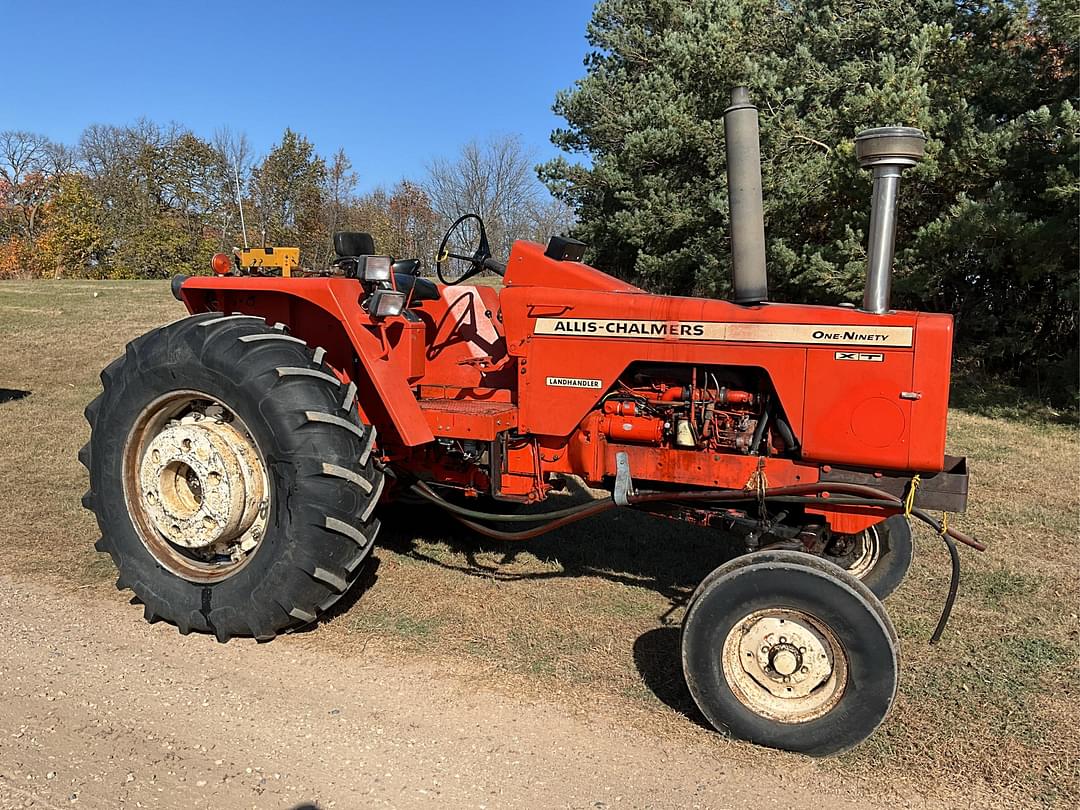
(150, 201)
(989, 222)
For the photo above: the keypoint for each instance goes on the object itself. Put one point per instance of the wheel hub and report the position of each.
(784, 664)
(785, 660)
(202, 486)
(784, 656)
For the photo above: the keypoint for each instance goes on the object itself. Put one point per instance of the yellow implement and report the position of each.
(262, 260)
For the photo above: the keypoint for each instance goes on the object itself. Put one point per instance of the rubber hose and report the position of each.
(784, 429)
(424, 491)
(802, 489)
(759, 432)
(588, 511)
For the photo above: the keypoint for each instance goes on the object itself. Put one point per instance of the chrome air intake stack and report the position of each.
(749, 280)
(888, 151)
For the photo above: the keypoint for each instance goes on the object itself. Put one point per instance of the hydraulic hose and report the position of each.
(427, 493)
(872, 493)
(595, 508)
(871, 496)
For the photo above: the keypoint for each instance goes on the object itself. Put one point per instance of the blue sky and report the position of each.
(393, 83)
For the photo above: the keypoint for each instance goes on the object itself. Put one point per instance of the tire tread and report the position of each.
(330, 459)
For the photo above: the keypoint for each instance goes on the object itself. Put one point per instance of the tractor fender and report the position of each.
(326, 314)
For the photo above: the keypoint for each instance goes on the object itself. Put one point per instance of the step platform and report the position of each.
(469, 418)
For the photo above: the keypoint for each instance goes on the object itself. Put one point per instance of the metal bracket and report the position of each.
(624, 484)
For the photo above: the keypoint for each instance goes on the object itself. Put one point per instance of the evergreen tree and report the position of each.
(988, 222)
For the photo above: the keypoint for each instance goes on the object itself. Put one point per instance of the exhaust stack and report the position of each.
(888, 151)
(748, 276)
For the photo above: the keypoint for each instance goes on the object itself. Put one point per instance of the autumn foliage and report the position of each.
(146, 201)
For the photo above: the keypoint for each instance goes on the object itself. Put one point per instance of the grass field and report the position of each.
(589, 615)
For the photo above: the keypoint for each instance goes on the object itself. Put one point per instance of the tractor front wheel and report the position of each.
(790, 653)
(231, 477)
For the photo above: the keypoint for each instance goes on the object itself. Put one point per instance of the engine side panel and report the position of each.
(854, 411)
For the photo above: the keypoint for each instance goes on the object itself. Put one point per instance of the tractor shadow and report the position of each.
(620, 546)
(658, 657)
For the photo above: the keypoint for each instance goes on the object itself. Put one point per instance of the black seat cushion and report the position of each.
(354, 243)
(421, 289)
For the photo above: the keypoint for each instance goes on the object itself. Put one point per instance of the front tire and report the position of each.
(789, 653)
(231, 477)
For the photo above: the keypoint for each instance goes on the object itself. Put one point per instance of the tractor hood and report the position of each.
(535, 301)
(530, 267)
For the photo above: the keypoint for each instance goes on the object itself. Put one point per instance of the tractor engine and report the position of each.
(710, 410)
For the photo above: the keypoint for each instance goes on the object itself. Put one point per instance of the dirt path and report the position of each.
(98, 709)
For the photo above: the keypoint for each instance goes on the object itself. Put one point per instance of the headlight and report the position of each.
(385, 303)
(374, 268)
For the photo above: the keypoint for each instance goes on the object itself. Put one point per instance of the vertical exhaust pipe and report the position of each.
(887, 151)
(749, 279)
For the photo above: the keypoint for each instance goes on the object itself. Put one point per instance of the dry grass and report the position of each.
(589, 615)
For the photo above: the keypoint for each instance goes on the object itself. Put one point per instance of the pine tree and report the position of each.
(988, 222)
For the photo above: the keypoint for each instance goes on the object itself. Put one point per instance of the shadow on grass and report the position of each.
(983, 395)
(658, 660)
(12, 394)
(621, 546)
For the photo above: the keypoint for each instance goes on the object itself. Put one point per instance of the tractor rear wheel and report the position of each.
(790, 653)
(231, 477)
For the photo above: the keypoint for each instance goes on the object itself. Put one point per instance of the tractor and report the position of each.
(241, 459)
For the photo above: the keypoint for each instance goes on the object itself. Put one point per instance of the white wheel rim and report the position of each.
(867, 553)
(785, 665)
(196, 486)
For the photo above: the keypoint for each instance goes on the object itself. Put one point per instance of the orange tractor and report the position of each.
(240, 458)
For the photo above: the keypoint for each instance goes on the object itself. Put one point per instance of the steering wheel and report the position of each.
(464, 251)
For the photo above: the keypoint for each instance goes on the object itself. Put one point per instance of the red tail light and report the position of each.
(221, 264)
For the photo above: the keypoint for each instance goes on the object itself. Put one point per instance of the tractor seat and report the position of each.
(415, 289)
(349, 244)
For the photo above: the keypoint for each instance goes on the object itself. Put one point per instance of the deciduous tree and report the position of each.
(496, 180)
(287, 188)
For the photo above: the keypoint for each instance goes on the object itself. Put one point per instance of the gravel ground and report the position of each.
(98, 709)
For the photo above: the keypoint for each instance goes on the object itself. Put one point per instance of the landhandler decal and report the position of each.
(822, 334)
(574, 382)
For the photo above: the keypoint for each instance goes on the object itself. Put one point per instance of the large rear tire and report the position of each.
(790, 653)
(231, 477)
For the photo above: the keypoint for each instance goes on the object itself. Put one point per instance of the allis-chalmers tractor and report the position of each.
(240, 458)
